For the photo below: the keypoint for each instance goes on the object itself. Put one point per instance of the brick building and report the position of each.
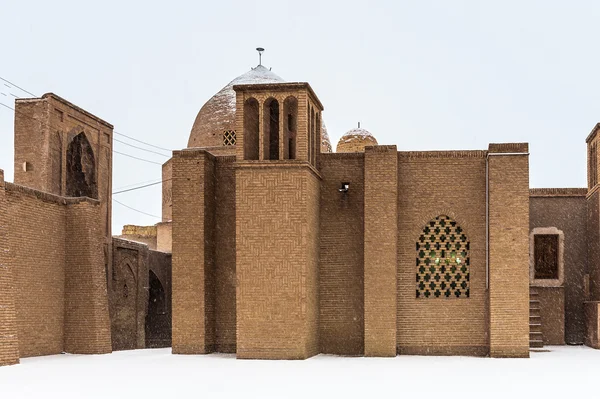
(271, 246)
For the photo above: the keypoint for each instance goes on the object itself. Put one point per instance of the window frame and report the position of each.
(539, 282)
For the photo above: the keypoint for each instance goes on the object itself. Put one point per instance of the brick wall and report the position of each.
(565, 209)
(380, 248)
(341, 268)
(509, 250)
(193, 285)
(9, 344)
(430, 184)
(276, 255)
(56, 250)
(87, 322)
(36, 239)
(552, 312)
(224, 227)
(167, 191)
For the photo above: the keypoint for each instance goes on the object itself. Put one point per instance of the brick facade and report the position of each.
(280, 251)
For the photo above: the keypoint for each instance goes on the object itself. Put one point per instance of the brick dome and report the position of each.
(217, 115)
(355, 140)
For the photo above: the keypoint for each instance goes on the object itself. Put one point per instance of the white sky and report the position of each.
(424, 75)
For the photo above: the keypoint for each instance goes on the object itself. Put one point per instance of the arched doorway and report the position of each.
(158, 322)
(81, 168)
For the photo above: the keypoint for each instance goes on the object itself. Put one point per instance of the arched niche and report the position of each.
(290, 112)
(271, 129)
(81, 168)
(251, 129)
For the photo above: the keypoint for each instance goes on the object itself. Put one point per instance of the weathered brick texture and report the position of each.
(36, 239)
(9, 344)
(380, 246)
(508, 176)
(87, 323)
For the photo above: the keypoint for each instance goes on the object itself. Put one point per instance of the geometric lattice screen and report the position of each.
(229, 137)
(443, 260)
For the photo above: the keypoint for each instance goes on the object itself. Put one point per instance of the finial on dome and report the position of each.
(359, 125)
(260, 50)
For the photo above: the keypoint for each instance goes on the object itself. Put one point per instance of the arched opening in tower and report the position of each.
(271, 129)
(251, 127)
(81, 168)
(290, 110)
(158, 326)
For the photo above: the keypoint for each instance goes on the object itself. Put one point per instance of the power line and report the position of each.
(114, 131)
(140, 141)
(20, 88)
(140, 148)
(137, 210)
(116, 152)
(139, 159)
(137, 188)
(135, 184)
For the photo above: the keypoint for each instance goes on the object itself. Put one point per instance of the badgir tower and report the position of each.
(272, 246)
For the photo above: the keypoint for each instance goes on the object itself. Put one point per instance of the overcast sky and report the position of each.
(423, 75)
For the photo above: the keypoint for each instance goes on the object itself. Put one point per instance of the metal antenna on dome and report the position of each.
(260, 50)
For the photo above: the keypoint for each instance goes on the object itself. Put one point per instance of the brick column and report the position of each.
(193, 260)
(9, 344)
(87, 322)
(508, 184)
(381, 242)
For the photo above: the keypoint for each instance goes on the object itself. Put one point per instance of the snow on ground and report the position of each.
(564, 371)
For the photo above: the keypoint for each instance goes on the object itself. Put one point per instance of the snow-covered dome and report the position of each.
(325, 143)
(355, 140)
(218, 114)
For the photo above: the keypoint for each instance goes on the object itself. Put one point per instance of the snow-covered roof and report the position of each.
(218, 113)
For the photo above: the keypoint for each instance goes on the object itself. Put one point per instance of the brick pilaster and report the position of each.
(381, 232)
(508, 179)
(193, 260)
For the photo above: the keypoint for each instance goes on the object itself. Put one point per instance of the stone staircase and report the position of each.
(535, 320)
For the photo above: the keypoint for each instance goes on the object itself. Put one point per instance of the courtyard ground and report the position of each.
(566, 371)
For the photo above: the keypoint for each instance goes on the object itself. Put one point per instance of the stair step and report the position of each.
(536, 343)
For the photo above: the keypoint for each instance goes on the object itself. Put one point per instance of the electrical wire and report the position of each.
(114, 131)
(137, 210)
(46, 125)
(137, 188)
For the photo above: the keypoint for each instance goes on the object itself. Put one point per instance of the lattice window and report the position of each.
(443, 263)
(593, 165)
(229, 137)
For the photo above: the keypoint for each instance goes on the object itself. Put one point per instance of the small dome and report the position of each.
(217, 115)
(355, 140)
(325, 143)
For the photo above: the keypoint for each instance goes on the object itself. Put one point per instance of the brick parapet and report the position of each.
(380, 250)
(558, 192)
